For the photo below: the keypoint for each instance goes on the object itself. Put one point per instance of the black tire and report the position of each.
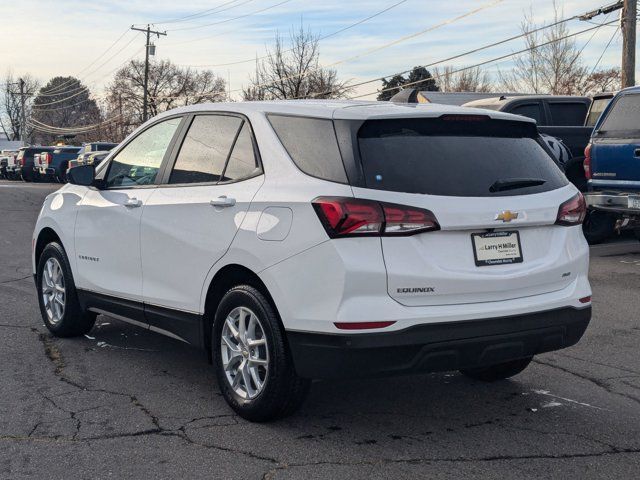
(499, 371)
(283, 391)
(26, 178)
(598, 226)
(74, 321)
(636, 233)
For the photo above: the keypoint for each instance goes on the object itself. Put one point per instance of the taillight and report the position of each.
(46, 158)
(587, 162)
(572, 212)
(347, 217)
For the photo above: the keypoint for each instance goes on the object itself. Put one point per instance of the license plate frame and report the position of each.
(503, 254)
(633, 201)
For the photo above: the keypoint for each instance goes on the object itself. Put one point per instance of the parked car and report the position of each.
(300, 240)
(4, 161)
(612, 165)
(562, 117)
(11, 165)
(93, 158)
(6, 157)
(25, 167)
(53, 165)
(89, 148)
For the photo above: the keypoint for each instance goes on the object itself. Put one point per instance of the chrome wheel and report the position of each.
(245, 356)
(53, 290)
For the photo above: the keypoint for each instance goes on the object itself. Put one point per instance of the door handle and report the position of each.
(223, 201)
(133, 203)
(636, 152)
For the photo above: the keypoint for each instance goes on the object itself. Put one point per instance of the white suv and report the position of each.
(323, 239)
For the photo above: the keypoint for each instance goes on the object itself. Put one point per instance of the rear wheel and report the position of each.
(59, 305)
(499, 371)
(636, 233)
(252, 361)
(598, 226)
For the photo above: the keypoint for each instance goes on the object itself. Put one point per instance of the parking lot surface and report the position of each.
(122, 402)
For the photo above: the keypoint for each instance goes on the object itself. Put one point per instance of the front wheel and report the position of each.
(59, 305)
(252, 361)
(499, 371)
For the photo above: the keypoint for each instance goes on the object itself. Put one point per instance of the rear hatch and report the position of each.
(615, 150)
(495, 192)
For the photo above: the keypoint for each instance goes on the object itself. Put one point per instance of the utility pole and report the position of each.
(628, 26)
(148, 31)
(23, 121)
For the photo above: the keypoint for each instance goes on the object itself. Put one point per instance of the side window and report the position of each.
(312, 145)
(205, 149)
(138, 163)
(242, 162)
(568, 114)
(530, 110)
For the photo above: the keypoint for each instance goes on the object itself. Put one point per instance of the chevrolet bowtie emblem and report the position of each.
(506, 216)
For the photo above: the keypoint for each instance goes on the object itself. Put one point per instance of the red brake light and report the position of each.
(46, 158)
(344, 217)
(572, 212)
(587, 162)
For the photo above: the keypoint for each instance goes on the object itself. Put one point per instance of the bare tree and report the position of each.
(169, 87)
(294, 72)
(64, 102)
(457, 79)
(606, 80)
(11, 115)
(552, 63)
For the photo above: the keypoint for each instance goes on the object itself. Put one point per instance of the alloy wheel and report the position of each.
(53, 290)
(245, 353)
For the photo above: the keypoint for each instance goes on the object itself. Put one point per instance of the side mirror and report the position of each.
(82, 175)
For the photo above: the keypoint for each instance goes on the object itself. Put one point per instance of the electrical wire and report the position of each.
(615, 33)
(323, 37)
(203, 13)
(368, 52)
(230, 19)
(493, 60)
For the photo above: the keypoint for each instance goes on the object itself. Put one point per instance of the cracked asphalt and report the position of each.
(122, 402)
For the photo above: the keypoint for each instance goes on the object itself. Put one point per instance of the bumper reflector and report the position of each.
(362, 325)
(585, 299)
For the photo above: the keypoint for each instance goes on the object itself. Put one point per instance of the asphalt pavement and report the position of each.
(122, 402)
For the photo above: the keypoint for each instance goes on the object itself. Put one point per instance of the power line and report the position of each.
(493, 60)
(91, 64)
(615, 33)
(476, 50)
(203, 13)
(230, 19)
(368, 52)
(324, 37)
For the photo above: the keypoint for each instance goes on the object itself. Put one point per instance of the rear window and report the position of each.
(455, 157)
(568, 113)
(597, 107)
(311, 143)
(624, 115)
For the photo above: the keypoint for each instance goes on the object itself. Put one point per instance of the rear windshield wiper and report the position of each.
(514, 183)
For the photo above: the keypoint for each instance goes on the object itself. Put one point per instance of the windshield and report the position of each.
(597, 107)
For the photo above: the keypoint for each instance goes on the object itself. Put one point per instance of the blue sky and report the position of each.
(48, 38)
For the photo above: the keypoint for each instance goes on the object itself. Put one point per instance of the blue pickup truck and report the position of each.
(612, 167)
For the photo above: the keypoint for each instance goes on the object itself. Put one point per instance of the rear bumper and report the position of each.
(437, 346)
(615, 202)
